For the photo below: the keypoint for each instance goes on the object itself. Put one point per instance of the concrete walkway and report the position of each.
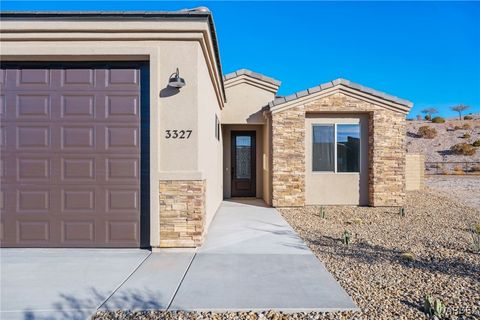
(251, 260)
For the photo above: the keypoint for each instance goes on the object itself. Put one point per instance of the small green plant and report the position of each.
(408, 256)
(346, 237)
(475, 231)
(427, 132)
(438, 120)
(321, 212)
(464, 149)
(433, 307)
(476, 143)
(427, 117)
(466, 136)
(402, 212)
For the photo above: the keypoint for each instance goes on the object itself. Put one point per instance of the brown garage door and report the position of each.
(70, 157)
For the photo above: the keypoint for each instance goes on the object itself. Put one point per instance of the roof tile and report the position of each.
(252, 74)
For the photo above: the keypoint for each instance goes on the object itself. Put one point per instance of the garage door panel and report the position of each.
(122, 169)
(70, 161)
(78, 107)
(78, 79)
(120, 79)
(122, 107)
(78, 168)
(125, 138)
(35, 107)
(75, 231)
(122, 200)
(79, 200)
(3, 103)
(3, 137)
(119, 232)
(2, 79)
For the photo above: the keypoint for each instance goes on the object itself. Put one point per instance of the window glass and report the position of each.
(323, 148)
(348, 148)
(217, 128)
(243, 156)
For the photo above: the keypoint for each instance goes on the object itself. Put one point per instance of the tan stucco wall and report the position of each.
(210, 159)
(414, 171)
(341, 188)
(245, 100)
(227, 157)
(166, 49)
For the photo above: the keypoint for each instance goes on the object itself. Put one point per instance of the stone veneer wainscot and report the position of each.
(182, 213)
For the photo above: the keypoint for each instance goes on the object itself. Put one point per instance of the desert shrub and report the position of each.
(466, 136)
(468, 117)
(427, 132)
(438, 120)
(346, 237)
(475, 168)
(476, 143)
(428, 117)
(433, 307)
(464, 149)
(466, 126)
(475, 231)
(407, 256)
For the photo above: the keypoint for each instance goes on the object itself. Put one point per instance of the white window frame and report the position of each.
(335, 124)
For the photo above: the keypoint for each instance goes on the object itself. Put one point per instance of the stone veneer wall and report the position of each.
(182, 213)
(386, 150)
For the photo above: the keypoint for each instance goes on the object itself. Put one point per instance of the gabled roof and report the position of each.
(251, 74)
(403, 105)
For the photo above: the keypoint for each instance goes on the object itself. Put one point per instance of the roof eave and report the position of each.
(193, 13)
(399, 104)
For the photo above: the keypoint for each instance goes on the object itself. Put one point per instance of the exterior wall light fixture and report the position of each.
(176, 81)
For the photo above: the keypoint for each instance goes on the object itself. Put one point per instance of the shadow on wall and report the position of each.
(74, 308)
(168, 92)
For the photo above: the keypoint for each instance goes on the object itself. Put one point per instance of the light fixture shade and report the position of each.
(176, 81)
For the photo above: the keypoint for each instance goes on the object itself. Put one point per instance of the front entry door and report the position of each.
(243, 164)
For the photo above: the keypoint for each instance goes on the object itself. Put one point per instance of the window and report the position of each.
(323, 148)
(336, 148)
(217, 128)
(348, 148)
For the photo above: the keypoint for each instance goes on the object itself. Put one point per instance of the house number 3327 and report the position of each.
(178, 134)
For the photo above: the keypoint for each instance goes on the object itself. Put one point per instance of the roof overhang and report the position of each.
(252, 78)
(196, 14)
(346, 87)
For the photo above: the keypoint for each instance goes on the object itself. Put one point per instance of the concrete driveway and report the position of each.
(251, 260)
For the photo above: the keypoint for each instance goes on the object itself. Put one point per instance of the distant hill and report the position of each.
(438, 149)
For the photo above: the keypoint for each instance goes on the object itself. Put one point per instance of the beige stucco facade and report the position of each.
(189, 178)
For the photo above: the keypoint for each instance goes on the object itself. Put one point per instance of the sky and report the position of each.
(425, 52)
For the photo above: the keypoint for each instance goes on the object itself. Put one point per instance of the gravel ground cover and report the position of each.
(394, 261)
(465, 189)
(390, 264)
